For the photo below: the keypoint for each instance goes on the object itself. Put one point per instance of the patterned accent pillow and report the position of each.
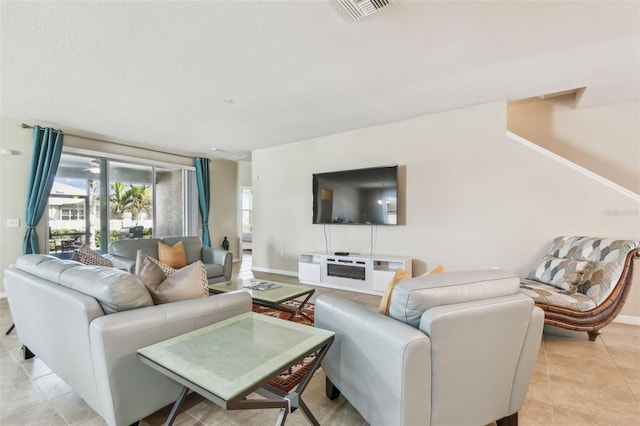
(153, 273)
(565, 274)
(90, 257)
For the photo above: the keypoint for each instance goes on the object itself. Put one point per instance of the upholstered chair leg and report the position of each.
(10, 329)
(511, 420)
(331, 391)
(593, 334)
(26, 353)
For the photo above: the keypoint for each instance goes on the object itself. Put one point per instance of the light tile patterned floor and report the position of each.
(576, 382)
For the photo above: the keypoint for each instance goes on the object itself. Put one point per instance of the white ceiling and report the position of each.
(159, 72)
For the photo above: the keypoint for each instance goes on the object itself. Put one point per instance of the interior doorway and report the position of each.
(246, 219)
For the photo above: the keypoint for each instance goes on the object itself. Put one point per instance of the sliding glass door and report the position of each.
(130, 200)
(73, 212)
(141, 201)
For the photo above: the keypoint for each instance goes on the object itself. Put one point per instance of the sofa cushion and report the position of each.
(114, 289)
(412, 297)
(88, 256)
(546, 294)
(129, 248)
(173, 255)
(45, 266)
(166, 284)
(565, 274)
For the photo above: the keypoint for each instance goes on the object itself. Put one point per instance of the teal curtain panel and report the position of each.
(47, 148)
(202, 177)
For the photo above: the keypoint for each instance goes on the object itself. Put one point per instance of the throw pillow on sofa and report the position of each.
(166, 284)
(90, 257)
(565, 274)
(400, 275)
(174, 256)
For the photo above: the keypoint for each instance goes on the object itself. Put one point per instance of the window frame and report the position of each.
(191, 217)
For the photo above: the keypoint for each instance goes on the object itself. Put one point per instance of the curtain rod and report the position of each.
(27, 126)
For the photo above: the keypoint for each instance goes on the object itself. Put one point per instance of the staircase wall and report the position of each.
(605, 139)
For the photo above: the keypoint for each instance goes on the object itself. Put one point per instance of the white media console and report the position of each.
(366, 274)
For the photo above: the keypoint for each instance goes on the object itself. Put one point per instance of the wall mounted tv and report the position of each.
(356, 197)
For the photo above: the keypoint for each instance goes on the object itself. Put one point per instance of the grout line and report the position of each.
(546, 363)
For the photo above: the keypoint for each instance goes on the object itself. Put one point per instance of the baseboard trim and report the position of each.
(275, 271)
(627, 319)
(3, 294)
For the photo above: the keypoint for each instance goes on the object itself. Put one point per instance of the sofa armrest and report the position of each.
(503, 334)
(219, 257)
(121, 262)
(135, 390)
(381, 365)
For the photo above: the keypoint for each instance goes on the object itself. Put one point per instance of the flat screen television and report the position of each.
(356, 197)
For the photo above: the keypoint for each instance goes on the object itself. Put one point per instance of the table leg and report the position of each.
(308, 414)
(176, 406)
(13, 325)
(282, 416)
(305, 381)
(299, 310)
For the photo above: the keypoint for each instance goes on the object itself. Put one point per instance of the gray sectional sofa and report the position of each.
(86, 324)
(217, 262)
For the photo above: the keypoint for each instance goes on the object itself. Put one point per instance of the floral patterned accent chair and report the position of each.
(582, 283)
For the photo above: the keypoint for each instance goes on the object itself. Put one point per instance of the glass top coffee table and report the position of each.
(268, 293)
(227, 361)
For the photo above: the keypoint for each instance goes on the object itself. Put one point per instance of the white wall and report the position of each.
(14, 173)
(473, 198)
(595, 138)
(244, 173)
(223, 215)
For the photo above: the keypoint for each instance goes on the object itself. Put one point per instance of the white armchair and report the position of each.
(459, 348)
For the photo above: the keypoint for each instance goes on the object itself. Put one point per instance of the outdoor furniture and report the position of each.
(132, 232)
(136, 232)
(587, 300)
(458, 348)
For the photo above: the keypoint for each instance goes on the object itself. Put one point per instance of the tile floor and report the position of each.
(576, 382)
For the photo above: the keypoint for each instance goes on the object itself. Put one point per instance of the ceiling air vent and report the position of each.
(358, 9)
